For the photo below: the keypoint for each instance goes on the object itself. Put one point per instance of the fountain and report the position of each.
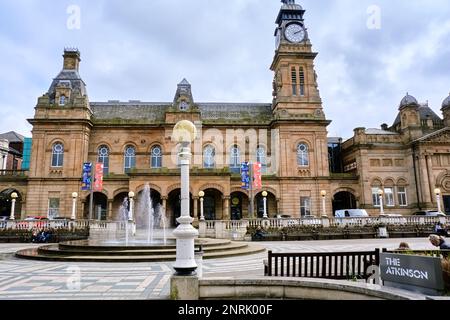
(150, 218)
(147, 245)
(123, 216)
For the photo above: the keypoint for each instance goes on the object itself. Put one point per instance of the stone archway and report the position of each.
(5, 203)
(271, 205)
(344, 200)
(173, 207)
(100, 206)
(141, 214)
(239, 204)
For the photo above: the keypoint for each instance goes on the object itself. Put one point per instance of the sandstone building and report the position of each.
(288, 136)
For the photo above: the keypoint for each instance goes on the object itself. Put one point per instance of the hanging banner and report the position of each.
(245, 176)
(257, 182)
(98, 178)
(86, 180)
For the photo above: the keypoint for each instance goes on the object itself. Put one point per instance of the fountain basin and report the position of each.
(114, 251)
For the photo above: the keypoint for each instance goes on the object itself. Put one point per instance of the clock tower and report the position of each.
(295, 85)
(298, 115)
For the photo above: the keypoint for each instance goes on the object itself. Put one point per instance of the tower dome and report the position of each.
(408, 100)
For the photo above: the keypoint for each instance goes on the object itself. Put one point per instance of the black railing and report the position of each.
(14, 173)
(327, 265)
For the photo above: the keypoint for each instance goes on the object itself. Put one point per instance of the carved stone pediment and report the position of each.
(442, 136)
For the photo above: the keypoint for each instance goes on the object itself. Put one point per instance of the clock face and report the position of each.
(295, 33)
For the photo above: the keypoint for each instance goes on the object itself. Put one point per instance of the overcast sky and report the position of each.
(140, 50)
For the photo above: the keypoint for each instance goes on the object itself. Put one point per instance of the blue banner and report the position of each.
(86, 183)
(245, 175)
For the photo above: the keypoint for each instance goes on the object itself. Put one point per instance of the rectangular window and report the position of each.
(389, 197)
(402, 199)
(53, 208)
(305, 206)
(294, 81)
(375, 197)
(302, 82)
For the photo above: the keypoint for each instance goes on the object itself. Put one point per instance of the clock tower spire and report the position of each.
(295, 85)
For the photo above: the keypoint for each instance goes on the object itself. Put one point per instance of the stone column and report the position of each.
(110, 208)
(278, 206)
(196, 199)
(425, 185)
(430, 176)
(164, 211)
(226, 208)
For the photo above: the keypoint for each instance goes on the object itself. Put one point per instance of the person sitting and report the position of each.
(439, 241)
(403, 246)
(35, 236)
(259, 234)
(440, 230)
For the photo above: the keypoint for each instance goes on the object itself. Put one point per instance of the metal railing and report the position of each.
(327, 265)
(14, 173)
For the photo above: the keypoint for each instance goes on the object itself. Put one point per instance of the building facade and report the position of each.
(288, 137)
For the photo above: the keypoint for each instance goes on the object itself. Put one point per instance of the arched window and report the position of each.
(103, 157)
(58, 155)
(261, 157)
(302, 155)
(62, 100)
(302, 82)
(294, 81)
(156, 160)
(130, 158)
(235, 159)
(209, 154)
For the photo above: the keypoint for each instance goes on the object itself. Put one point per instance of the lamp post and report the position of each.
(437, 192)
(14, 197)
(264, 194)
(185, 132)
(74, 205)
(201, 194)
(131, 196)
(380, 195)
(323, 194)
(130, 212)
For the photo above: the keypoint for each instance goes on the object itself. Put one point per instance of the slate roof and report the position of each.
(12, 137)
(69, 77)
(155, 111)
(425, 113)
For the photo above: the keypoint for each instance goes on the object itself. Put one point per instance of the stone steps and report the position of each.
(80, 251)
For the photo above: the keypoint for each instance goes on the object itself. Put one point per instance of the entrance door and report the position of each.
(236, 207)
(447, 204)
(209, 207)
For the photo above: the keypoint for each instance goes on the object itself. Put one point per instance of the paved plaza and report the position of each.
(27, 279)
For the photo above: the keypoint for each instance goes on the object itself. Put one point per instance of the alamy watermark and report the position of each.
(73, 282)
(74, 17)
(374, 19)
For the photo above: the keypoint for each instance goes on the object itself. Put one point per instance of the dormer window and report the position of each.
(184, 106)
(62, 100)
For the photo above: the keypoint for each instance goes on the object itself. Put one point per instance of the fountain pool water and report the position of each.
(151, 218)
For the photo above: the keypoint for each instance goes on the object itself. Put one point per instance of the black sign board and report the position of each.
(416, 273)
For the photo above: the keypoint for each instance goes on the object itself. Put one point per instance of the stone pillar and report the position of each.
(226, 208)
(110, 209)
(196, 199)
(430, 176)
(425, 181)
(278, 206)
(83, 203)
(164, 211)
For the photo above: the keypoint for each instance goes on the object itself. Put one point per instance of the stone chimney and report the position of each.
(71, 59)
